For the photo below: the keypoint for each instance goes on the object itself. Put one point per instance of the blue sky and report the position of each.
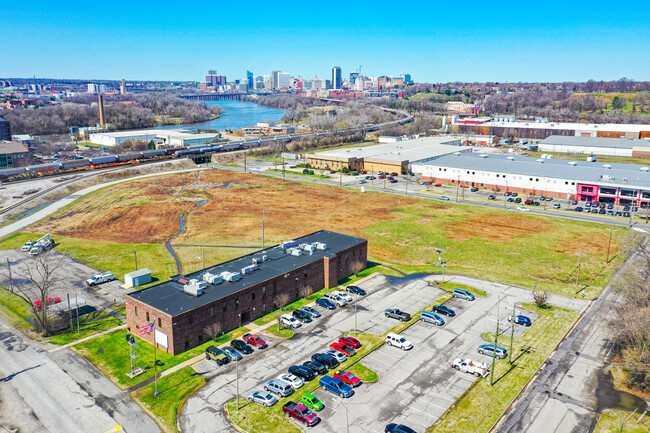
(434, 41)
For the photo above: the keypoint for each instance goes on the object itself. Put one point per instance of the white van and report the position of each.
(397, 340)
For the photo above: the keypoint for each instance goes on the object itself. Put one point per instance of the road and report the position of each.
(417, 385)
(563, 398)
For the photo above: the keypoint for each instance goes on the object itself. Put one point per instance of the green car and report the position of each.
(311, 401)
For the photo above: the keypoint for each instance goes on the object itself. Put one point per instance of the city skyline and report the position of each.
(560, 42)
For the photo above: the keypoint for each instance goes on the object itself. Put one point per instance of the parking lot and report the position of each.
(415, 387)
(70, 276)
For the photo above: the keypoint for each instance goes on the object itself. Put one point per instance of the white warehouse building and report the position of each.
(167, 137)
(596, 146)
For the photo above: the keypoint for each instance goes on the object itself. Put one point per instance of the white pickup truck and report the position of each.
(100, 278)
(479, 369)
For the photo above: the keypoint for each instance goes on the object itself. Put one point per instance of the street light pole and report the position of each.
(578, 275)
(237, 382)
(136, 259)
(457, 186)
(611, 231)
(512, 330)
(356, 299)
(494, 352)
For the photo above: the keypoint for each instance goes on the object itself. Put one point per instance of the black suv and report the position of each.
(316, 366)
(328, 360)
(303, 372)
(441, 309)
(303, 316)
(241, 346)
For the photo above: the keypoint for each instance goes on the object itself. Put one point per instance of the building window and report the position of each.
(537, 180)
(159, 323)
(253, 295)
(225, 307)
(566, 183)
(147, 317)
(200, 338)
(136, 311)
(187, 344)
(573, 183)
(498, 176)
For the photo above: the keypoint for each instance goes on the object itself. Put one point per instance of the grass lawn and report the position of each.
(363, 373)
(300, 173)
(106, 256)
(15, 311)
(86, 329)
(173, 390)
(282, 333)
(617, 421)
(481, 407)
(110, 354)
(449, 286)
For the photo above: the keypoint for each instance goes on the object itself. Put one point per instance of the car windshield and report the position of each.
(402, 340)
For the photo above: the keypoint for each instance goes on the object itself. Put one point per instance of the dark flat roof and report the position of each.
(169, 297)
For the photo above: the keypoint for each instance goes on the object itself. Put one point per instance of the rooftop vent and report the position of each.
(573, 163)
(482, 155)
(645, 169)
(457, 153)
(607, 166)
(510, 158)
(539, 161)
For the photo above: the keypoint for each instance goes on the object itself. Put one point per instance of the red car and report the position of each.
(255, 340)
(345, 349)
(348, 378)
(363, 172)
(350, 341)
(438, 184)
(49, 301)
(381, 176)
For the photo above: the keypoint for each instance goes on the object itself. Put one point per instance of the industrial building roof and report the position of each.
(12, 147)
(406, 150)
(587, 127)
(139, 273)
(624, 143)
(169, 297)
(578, 171)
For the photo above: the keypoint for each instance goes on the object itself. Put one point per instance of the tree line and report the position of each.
(121, 112)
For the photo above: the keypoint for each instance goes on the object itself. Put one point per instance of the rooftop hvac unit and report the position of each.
(310, 248)
(296, 252)
(248, 269)
(482, 155)
(231, 276)
(194, 287)
(255, 260)
(320, 246)
(212, 278)
(573, 163)
(287, 244)
(539, 161)
(265, 257)
(510, 158)
(607, 166)
(645, 169)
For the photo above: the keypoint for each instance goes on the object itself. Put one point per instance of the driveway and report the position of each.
(418, 385)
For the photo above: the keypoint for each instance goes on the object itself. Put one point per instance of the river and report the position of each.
(235, 115)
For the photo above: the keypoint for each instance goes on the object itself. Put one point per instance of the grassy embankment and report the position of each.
(482, 405)
(621, 421)
(110, 354)
(173, 390)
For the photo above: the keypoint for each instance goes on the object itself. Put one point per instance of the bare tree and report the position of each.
(306, 290)
(541, 298)
(357, 267)
(282, 300)
(213, 330)
(37, 283)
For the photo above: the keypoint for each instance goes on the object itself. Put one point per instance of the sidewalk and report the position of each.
(90, 337)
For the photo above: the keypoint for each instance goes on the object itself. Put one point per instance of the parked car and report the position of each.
(574, 202)
(346, 297)
(255, 341)
(232, 354)
(48, 301)
(300, 412)
(241, 346)
(356, 290)
(336, 299)
(301, 315)
(100, 278)
(311, 311)
(217, 355)
(478, 369)
(292, 380)
(542, 198)
(488, 349)
(326, 303)
(351, 341)
(316, 366)
(340, 356)
(474, 189)
(510, 200)
(579, 209)
(394, 173)
(398, 428)
(626, 208)
(397, 340)
(346, 349)
(618, 214)
(610, 206)
(491, 197)
(528, 202)
(278, 387)
(521, 320)
(602, 211)
(462, 294)
(536, 203)
(438, 184)
(610, 212)
(518, 200)
(289, 321)
(362, 181)
(429, 317)
(443, 198)
(514, 194)
(336, 386)
(443, 309)
(588, 204)
(263, 398)
(363, 172)
(326, 359)
(393, 181)
(626, 214)
(305, 373)
(507, 193)
(312, 402)
(381, 176)
(395, 313)
(522, 209)
(347, 378)
(548, 198)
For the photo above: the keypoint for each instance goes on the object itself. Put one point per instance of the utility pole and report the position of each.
(70, 313)
(283, 175)
(545, 197)
(512, 330)
(457, 186)
(578, 276)
(341, 178)
(244, 161)
(505, 196)
(76, 301)
(237, 384)
(136, 259)
(494, 352)
(356, 299)
(263, 229)
(611, 231)
(203, 254)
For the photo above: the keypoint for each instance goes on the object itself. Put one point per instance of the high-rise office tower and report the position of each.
(284, 80)
(249, 80)
(5, 129)
(353, 77)
(274, 78)
(123, 87)
(337, 79)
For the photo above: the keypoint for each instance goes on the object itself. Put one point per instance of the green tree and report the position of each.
(619, 102)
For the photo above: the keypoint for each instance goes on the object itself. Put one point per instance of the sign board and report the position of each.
(161, 338)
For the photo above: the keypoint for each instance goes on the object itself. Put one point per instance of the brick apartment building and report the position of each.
(318, 260)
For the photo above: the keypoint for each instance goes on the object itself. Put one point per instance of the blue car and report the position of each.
(232, 354)
(325, 303)
(521, 320)
(336, 386)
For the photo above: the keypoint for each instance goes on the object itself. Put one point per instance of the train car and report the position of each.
(128, 157)
(107, 159)
(204, 149)
(75, 163)
(215, 148)
(187, 152)
(43, 168)
(173, 150)
(9, 172)
(152, 154)
(232, 146)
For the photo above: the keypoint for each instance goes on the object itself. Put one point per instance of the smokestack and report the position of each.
(101, 110)
(123, 87)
